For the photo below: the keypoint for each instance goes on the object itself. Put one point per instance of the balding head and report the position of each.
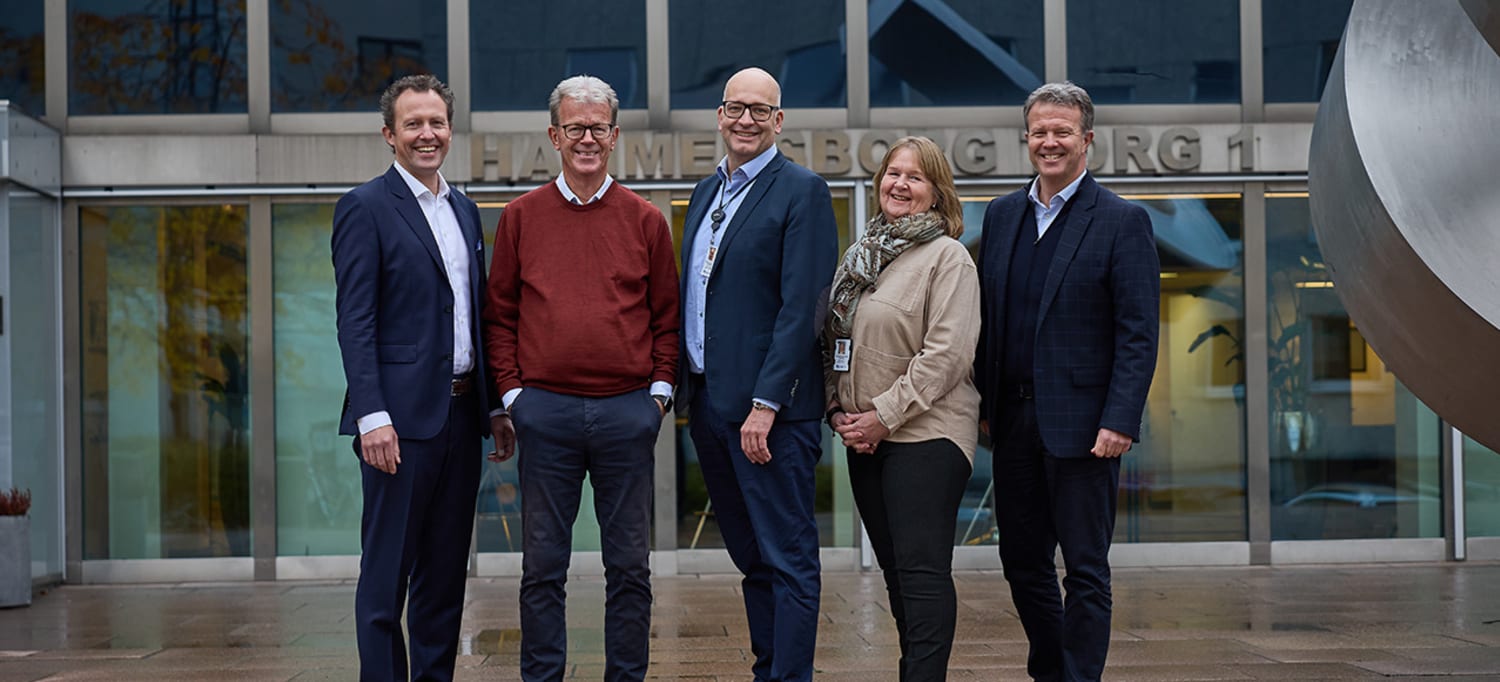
(753, 93)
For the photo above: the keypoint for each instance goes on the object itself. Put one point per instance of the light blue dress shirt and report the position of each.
(1046, 213)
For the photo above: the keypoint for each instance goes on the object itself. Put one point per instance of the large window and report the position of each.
(800, 42)
(339, 55)
(166, 412)
(33, 304)
(515, 67)
(318, 496)
(1353, 453)
(22, 72)
(1481, 489)
(156, 56)
(939, 53)
(1155, 51)
(1184, 481)
(1300, 41)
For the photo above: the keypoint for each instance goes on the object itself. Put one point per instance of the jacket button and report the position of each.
(448, 309)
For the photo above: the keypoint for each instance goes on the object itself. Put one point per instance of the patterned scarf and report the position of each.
(867, 258)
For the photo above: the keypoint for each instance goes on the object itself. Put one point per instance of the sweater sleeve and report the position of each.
(663, 298)
(947, 353)
(502, 305)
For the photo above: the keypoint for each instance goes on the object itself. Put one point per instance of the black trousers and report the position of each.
(1043, 502)
(908, 496)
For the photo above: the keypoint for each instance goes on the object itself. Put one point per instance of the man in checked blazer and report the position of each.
(1070, 284)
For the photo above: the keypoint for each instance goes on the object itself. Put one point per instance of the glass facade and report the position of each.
(156, 56)
(517, 69)
(1481, 489)
(1155, 52)
(166, 416)
(28, 232)
(963, 42)
(1353, 453)
(23, 71)
(710, 42)
(1301, 40)
(318, 496)
(339, 55)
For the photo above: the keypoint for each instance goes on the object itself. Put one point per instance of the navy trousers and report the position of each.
(765, 514)
(1042, 503)
(908, 496)
(414, 534)
(560, 438)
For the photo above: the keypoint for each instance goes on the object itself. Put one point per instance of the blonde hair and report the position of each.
(935, 167)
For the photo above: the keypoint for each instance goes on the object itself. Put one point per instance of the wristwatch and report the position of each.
(758, 406)
(664, 400)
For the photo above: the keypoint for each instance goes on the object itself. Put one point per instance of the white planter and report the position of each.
(15, 561)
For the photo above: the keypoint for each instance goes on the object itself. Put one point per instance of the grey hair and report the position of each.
(1064, 94)
(587, 90)
(422, 82)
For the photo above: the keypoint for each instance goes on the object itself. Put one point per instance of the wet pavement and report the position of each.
(1370, 621)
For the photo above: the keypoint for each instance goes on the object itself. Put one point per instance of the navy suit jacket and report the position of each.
(1096, 327)
(769, 284)
(395, 307)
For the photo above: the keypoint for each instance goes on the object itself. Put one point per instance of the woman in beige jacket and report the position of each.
(902, 328)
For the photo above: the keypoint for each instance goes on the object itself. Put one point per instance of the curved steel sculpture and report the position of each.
(1405, 202)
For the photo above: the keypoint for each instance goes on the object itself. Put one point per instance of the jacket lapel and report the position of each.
(694, 218)
(1080, 216)
(407, 208)
(757, 191)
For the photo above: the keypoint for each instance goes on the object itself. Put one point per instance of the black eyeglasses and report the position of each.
(599, 131)
(758, 112)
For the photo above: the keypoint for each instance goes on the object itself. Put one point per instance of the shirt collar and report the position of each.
(567, 192)
(749, 169)
(1066, 193)
(416, 186)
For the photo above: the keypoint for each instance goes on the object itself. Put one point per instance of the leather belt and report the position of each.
(462, 385)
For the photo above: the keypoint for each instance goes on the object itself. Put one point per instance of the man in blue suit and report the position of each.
(408, 258)
(758, 251)
(1070, 284)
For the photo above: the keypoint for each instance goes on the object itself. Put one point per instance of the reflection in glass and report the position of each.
(515, 70)
(1184, 480)
(934, 52)
(339, 55)
(34, 303)
(800, 42)
(23, 72)
(156, 56)
(166, 415)
(1300, 41)
(1481, 489)
(318, 496)
(1155, 51)
(833, 502)
(1353, 453)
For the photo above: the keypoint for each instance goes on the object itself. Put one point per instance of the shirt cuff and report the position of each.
(661, 389)
(372, 421)
(775, 406)
(509, 397)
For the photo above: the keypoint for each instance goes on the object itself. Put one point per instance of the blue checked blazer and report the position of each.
(1096, 327)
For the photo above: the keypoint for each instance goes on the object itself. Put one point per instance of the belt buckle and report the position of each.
(459, 386)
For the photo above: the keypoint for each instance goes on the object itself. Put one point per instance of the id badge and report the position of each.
(842, 349)
(708, 261)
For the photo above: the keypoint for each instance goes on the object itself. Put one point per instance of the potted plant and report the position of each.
(15, 548)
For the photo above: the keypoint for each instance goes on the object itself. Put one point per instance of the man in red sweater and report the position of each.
(580, 330)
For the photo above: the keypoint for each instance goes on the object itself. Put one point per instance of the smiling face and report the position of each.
(744, 137)
(1058, 144)
(585, 160)
(904, 187)
(421, 134)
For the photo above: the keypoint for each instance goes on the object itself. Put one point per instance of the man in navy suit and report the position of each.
(408, 260)
(1070, 285)
(758, 251)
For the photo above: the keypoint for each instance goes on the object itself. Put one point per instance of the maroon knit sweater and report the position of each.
(582, 300)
